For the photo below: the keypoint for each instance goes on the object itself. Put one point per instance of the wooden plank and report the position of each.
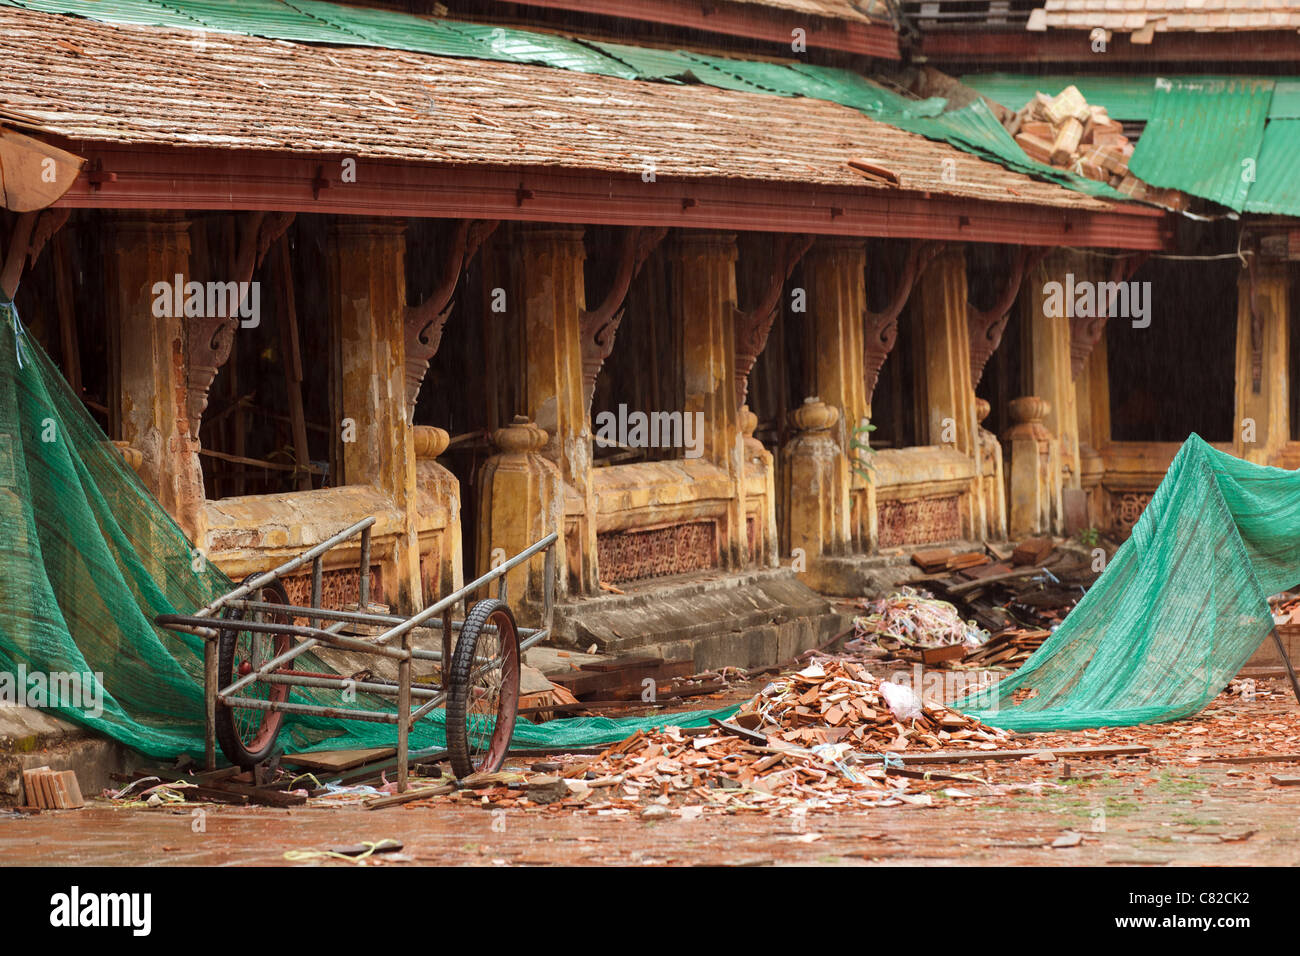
(1254, 758)
(981, 756)
(336, 761)
(409, 796)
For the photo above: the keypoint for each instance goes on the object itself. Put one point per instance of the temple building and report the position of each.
(746, 299)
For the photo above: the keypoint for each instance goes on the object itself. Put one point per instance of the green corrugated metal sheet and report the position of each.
(648, 63)
(544, 49)
(1286, 99)
(1276, 190)
(1125, 97)
(265, 18)
(140, 12)
(394, 30)
(1202, 136)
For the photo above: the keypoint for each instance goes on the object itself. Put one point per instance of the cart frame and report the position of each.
(436, 617)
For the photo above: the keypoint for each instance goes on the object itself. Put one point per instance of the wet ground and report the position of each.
(1176, 805)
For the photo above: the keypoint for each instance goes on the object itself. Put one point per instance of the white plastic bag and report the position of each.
(902, 700)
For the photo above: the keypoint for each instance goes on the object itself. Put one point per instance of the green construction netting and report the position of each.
(89, 558)
(1180, 608)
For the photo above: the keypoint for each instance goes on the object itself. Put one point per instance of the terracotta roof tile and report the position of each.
(1178, 14)
(146, 85)
(865, 10)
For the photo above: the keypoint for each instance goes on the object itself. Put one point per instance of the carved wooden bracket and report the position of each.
(1086, 331)
(210, 337)
(48, 223)
(20, 244)
(987, 325)
(600, 325)
(754, 326)
(424, 322)
(880, 329)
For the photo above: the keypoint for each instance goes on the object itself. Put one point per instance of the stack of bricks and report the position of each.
(1064, 131)
(52, 789)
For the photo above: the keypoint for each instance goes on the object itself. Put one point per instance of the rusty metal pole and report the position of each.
(210, 678)
(403, 712)
(1286, 659)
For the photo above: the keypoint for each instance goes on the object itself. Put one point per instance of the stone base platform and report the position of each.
(746, 619)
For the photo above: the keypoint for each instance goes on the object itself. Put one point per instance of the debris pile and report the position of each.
(912, 619)
(1064, 131)
(1285, 607)
(833, 701)
(1009, 648)
(1018, 597)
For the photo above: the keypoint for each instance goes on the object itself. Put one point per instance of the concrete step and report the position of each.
(34, 738)
(747, 619)
(870, 576)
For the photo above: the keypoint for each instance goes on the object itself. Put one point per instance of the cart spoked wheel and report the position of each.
(247, 735)
(483, 690)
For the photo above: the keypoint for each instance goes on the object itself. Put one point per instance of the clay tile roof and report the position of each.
(873, 11)
(1130, 15)
(142, 85)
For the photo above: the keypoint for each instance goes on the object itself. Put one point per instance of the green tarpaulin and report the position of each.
(1180, 608)
(88, 558)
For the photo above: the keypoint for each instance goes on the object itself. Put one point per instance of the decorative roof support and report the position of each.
(209, 338)
(600, 325)
(1086, 331)
(753, 327)
(424, 322)
(987, 325)
(880, 331)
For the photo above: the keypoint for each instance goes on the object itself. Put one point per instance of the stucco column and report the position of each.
(149, 364)
(834, 272)
(521, 500)
(941, 309)
(704, 306)
(947, 414)
(815, 484)
(1049, 340)
(548, 267)
(1262, 407)
(367, 272)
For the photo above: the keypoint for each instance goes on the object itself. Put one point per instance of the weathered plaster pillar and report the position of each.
(1033, 468)
(149, 371)
(1092, 409)
(941, 307)
(815, 484)
(1052, 331)
(992, 476)
(834, 272)
(367, 273)
(1262, 406)
(947, 413)
(439, 489)
(548, 266)
(760, 472)
(704, 306)
(521, 500)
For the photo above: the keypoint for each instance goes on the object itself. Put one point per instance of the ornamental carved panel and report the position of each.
(339, 588)
(657, 552)
(1124, 509)
(919, 520)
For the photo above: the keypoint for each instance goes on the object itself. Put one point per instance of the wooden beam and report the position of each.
(190, 179)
